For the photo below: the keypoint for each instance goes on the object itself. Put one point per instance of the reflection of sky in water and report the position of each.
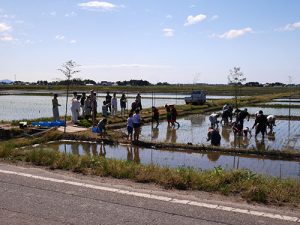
(274, 111)
(174, 159)
(194, 128)
(18, 107)
(281, 103)
(286, 99)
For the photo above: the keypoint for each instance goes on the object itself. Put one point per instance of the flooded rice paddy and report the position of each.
(282, 103)
(183, 159)
(275, 111)
(193, 129)
(18, 107)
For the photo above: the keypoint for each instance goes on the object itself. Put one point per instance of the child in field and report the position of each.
(105, 109)
(101, 127)
(130, 126)
(136, 119)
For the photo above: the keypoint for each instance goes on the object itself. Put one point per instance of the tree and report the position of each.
(68, 69)
(236, 79)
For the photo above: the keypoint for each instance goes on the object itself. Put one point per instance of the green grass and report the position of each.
(210, 89)
(243, 183)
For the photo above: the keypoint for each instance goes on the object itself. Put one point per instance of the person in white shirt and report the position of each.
(114, 105)
(75, 107)
(213, 118)
(271, 120)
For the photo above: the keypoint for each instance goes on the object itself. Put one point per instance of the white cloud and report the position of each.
(70, 14)
(291, 27)
(214, 17)
(59, 37)
(231, 34)
(105, 6)
(168, 32)
(4, 27)
(6, 16)
(169, 16)
(6, 37)
(73, 42)
(191, 20)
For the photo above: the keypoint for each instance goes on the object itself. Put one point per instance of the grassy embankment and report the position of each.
(210, 89)
(243, 183)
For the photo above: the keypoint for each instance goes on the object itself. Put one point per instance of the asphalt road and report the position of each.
(36, 196)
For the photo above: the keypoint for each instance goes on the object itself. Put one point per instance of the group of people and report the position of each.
(84, 106)
(261, 123)
(110, 105)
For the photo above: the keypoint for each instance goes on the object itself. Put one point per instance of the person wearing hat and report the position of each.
(271, 120)
(213, 118)
(260, 124)
(55, 107)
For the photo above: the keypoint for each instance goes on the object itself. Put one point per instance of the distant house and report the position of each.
(106, 83)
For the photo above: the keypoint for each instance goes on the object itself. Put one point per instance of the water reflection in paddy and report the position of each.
(186, 159)
(194, 128)
(281, 103)
(275, 111)
(18, 107)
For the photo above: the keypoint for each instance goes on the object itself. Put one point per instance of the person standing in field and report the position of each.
(130, 126)
(136, 119)
(108, 100)
(123, 102)
(155, 115)
(114, 105)
(139, 101)
(104, 109)
(87, 107)
(82, 100)
(168, 111)
(173, 112)
(75, 106)
(55, 105)
(260, 124)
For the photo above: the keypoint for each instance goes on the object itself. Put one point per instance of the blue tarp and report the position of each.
(95, 130)
(49, 123)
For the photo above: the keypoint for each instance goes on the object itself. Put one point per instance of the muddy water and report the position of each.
(193, 129)
(278, 168)
(18, 107)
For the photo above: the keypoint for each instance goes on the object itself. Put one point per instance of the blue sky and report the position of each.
(175, 41)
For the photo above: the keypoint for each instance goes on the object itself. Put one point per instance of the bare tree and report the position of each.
(68, 69)
(236, 79)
